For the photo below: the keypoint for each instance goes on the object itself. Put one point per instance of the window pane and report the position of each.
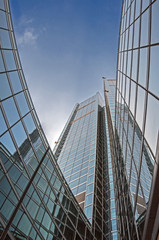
(5, 39)
(9, 58)
(22, 103)
(4, 87)
(11, 111)
(154, 71)
(15, 81)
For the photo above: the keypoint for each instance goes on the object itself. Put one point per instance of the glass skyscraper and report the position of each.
(82, 154)
(108, 150)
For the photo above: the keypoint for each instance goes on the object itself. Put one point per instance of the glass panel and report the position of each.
(22, 103)
(136, 34)
(140, 106)
(15, 81)
(9, 58)
(152, 126)
(89, 199)
(19, 134)
(134, 65)
(3, 22)
(1, 64)
(29, 123)
(144, 28)
(155, 20)
(24, 225)
(5, 39)
(4, 87)
(88, 211)
(7, 142)
(154, 71)
(11, 111)
(143, 66)
(132, 97)
(2, 4)
(3, 126)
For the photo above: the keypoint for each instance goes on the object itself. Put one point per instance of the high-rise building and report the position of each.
(82, 154)
(108, 153)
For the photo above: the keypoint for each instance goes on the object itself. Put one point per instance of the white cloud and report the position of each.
(29, 37)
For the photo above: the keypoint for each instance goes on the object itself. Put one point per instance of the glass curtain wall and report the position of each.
(137, 104)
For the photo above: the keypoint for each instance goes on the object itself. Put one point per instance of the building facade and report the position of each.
(137, 115)
(83, 158)
(35, 199)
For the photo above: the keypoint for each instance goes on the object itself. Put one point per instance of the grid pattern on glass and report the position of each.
(82, 161)
(137, 99)
(36, 202)
(109, 114)
(77, 157)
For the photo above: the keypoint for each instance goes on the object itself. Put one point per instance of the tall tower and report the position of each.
(83, 154)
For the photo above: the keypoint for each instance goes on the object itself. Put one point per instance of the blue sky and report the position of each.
(65, 46)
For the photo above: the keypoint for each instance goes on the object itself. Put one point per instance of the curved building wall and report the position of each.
(35, 200)
(137, 104)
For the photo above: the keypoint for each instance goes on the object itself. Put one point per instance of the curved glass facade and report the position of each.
(137, 107)
(35, 200)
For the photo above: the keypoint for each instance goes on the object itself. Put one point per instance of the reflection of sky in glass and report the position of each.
(22, 103)
(154, 24)
(15, 81)
(11, 111)
(152, 122)
(4, 87)
(3, 126)
(154, 71)
(7, 142)
(19, 133)
(29, 123)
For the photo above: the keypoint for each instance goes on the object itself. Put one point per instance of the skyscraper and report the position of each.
(82, 155)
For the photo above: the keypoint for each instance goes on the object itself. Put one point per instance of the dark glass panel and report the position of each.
(24, 225)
